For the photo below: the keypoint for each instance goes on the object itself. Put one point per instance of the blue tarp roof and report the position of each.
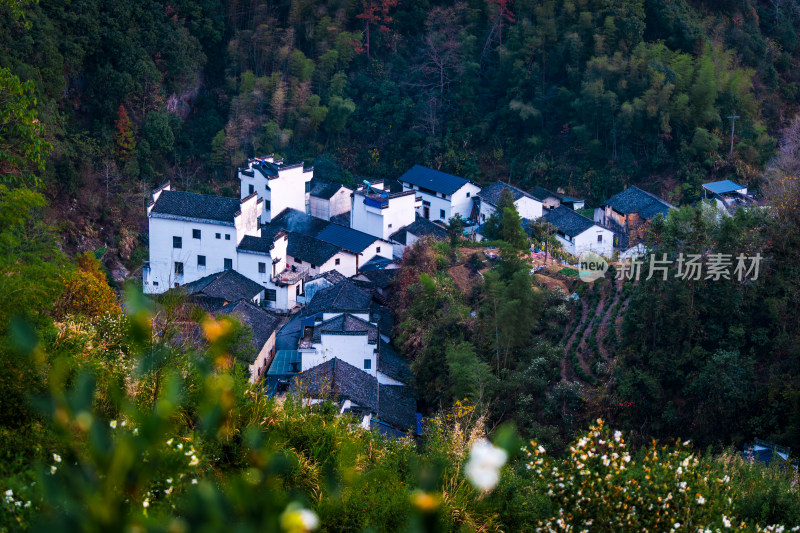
(722, 187)
(435, 180)
(347, 238)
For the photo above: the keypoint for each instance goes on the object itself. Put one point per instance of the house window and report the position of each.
(219, 235)
(266, 205)
(308, 186)
(441, 214)
(227, 236)
(271, 295)
(228, 264)
(298, 261)
(377, 249)
(297, 290)
(600, 238)
(390, 225)
(177, 242)
(155, 284)
(201, 260)
(468, 194)
(367, 364)
(179, 268)
(251, 189)
(262, 268)
(313, 265)
(195, 233)
(337, 261)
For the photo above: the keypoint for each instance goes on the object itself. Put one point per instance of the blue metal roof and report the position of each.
(434, 180)
(722, 187)
(347, 238)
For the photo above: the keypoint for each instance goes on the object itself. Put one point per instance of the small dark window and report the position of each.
(378, 250)
(262, 268)
(228, 264)
(155, 284)
(267, 205)
(468, 195)
(227, 236)
(367, 364)
(271, 295)
(219, 235)
(313, 265)
(177, 242)
(599, 238)
(441, 213)
(201, 260)
(308, 186)
(338, 261)
(251, 189)
(195, 233)
(179, 268)
(390, 225)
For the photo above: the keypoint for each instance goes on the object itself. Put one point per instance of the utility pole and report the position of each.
(733, 124)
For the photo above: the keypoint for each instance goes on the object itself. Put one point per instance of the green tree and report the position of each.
(469, 376)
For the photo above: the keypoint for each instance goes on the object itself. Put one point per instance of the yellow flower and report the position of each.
(425, 502)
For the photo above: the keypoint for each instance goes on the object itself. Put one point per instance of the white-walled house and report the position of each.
(579, 234)
(328, 199)
(420, 228)
(488, 199)
(362, 245)
(194, 235)
(443, 195)
(279, 186)
(382, 213)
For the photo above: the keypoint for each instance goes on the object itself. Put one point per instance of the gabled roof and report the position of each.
(227, 285)
(249, 243)
(197, 206)
(540, 193)
(568, 221)
(332, 276)
(397, 405)
(342, 297)
(343, 219)
(262, 322)
(346, 324)
(347, 238)
(635, 200)
(379, 278)
(324, 189)
(434, 180)
(392, 364)
(298, 222)
(309, 249)
(493, 192)
(421, 227)
(722, 187)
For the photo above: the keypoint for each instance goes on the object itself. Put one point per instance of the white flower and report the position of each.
(725, 521)
(483, 467)
(169, 442)
(296, 519)
(9, 493)
(146, 504)
(180, 446)
(135, 431)
(56, 458)
(195, 461)
(676, 525)
(53, 469)
(700, 499)
(122, 424)
(169, 481)
(113, 424)
(27, 504)
(617, 435)
(194, 482)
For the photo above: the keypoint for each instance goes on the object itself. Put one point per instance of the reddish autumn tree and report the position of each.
(500, 14)
(376, 12)
(124, 136)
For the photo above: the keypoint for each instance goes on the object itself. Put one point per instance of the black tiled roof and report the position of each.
(342, 297)
(568, 221)
(298, 222)
(227, 285)
(309, 249)
(493, 192)
(541, 193)
(635, 200)
(346, 324)
(434, 180)
(393, 364)
(333, 276)
(343, 219)
(262, 322)
(347, 238)
(376, 263)
(397, 405)
(421, 227)
(324, 189)
(380, 278)
(191, 205)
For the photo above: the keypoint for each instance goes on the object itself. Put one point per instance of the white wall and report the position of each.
(287, 190)
(382, 222)
(163, 256)
(529, 208)
(371, 251)
(346, 266)
(457, 204)
(262, 357)
(587, 241)
(352, 349)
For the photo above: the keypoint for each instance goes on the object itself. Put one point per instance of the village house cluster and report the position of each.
(308, 265)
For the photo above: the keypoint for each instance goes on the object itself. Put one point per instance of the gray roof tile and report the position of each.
(568, 221)
(199, 206)
(434, 180)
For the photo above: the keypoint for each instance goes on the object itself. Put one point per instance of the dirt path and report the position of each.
(602, 330)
